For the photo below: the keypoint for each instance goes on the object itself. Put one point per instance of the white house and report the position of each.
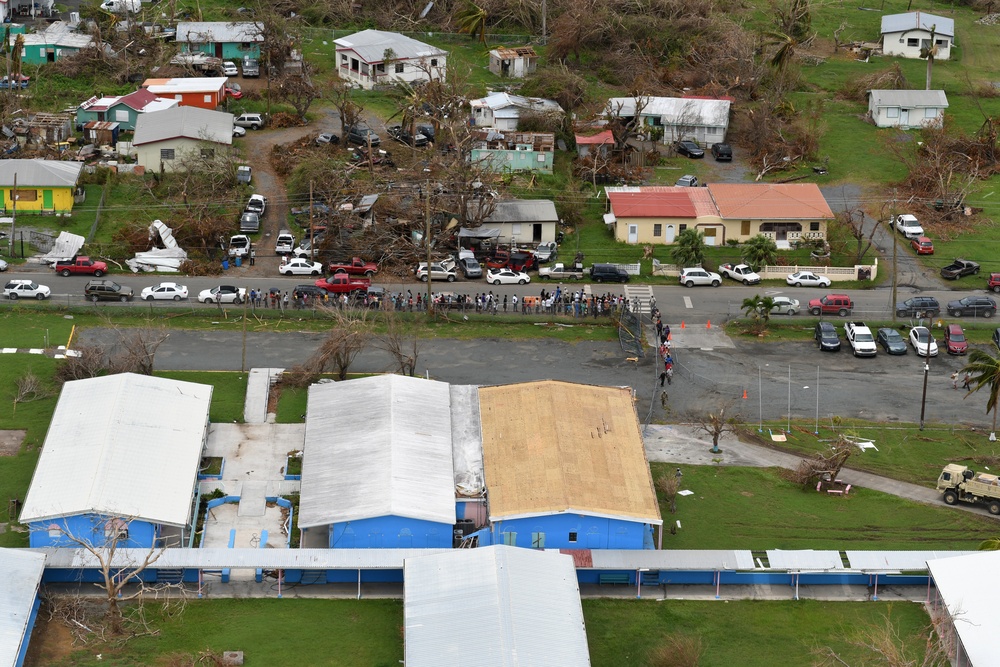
(705, 120)
(516, 62)
(164, 138)
(906, 109)
(528, 221)
(372, 57)
(501, 111)
(905, 34)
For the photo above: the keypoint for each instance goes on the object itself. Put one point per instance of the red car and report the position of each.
(233, 90)
(954, 339)
(994, 282)
(923, 245)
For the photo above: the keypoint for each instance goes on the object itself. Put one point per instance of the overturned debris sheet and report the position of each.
(169, 257)
(66, 247)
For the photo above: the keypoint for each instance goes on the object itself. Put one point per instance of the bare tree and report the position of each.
(28, 388)
(853, 219)
(340, 95)
(668, 486)
(402, 345)
(129, 350)
(349, 334)
(715, 424)
(882, 642)
(297, 90)
(823, 466)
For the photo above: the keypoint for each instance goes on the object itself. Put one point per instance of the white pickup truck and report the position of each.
(740, 272)
(860, 339)
(559, 271)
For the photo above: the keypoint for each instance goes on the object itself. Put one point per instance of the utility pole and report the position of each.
(892, 222)
(427, 240)
(13, 211)
(243, 362)
(544, 18)
(312, 233)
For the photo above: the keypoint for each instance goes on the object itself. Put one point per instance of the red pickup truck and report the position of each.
(356, 266)
(342, 283)
(81, 265)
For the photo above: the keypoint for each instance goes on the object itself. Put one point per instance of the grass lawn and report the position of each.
(746, 633)
(292, 405)
(754, 508)
(228, 396)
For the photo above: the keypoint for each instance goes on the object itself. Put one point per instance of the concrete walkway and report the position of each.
(259, 384)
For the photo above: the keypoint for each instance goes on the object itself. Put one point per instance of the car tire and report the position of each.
(798, 284)
(12, 296)
(993, 507)
(792, 311)
(177, 297)
(149, 297)
(815, 311)
(843, 312)
(123, 299)
(369, 274)
(451, 279)
(689, 283)
(521, 282)
(65, 273)
(950, 497)
(746, 282)
(98, 273)
(40, 296)
(423, 279)
(496, 282)
(956, 313)
(254, 126)
(975, 271)
(716, 283)
(314, 273)
(598, 280)
(987, 313)
(94, 298)
(237, 301)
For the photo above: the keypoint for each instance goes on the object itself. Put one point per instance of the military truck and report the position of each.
(959, 483)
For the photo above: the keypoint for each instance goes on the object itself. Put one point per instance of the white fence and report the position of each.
(633, 269)
(834, 273)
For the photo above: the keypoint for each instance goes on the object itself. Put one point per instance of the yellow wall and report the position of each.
(62, 199)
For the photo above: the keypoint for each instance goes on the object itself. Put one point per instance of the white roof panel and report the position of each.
(969, 585)
(22, 572)
(804, 559)
(40, 173)
(897, 561)
(190, 122)
(523, 603)
(522, 210)
(216, 32)
(124, 445)
(671, 559)
(191, 84)
(378, 446)
(918, 21)
(371, 45)
(691, 112)
(909, 98)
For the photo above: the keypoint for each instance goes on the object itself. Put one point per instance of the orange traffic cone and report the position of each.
(709, 325)
(744, 394)
(682, 324)
(670, 336)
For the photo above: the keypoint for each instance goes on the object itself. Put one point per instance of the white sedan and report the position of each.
(223, 294)
(784, 306)
(167, 291)
(922, 341)
(3, 265)
(507, 277)
(301, 267)
(807, 279)
(239, 131)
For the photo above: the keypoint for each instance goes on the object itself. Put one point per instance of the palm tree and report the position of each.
(992, 544)
(759, 308)
(471, 19)
(689, 249)
(985, 371)
(759, 251)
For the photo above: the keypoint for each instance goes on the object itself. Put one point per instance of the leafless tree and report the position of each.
(715, 423)
(402, 345)
(622, 127)
(668, 486)
(339, 93)
(853, 219)
(28, 388)
(349, 334)
(297, 90)
(130, 350)
(823, 466)
(883, 643)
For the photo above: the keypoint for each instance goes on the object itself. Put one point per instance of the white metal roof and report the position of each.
(909, 98)
(671, 559)
(40, 173)
(804, 559)
(371, 45)
(22, 572)
(215, 32)
(897, 561)
(691, 112)
(188, 122)
(466, 439)
(377, 446)
(523, 606)
(498, 102)
(523, 210)
(918, 21)
(192, 84)
(57, 33)
(124, 445)
(969, 585)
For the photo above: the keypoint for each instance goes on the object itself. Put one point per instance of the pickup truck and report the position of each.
(81, 266)
(285, 243)
(740, 272)
(860, 339)
(560, 272)
(343, 283)
(240, 246)
(355, 266)
(251, 68)
(959, 268)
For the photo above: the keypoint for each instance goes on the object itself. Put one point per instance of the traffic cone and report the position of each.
(744, 394)
(670, 337)
(709, 325)
(682, 324)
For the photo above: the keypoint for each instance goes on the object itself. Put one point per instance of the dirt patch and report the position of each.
(273, 396)
(746, 494)
(51, 642)
(10, 442)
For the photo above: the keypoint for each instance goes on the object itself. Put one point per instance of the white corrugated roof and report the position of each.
(212, 32)
(523, 210)
(192, 84)
(523, 607)
(671, 559)
(123, 445)
(969, 585)
(918, 21)
(22, 572)
(689, 111)
(217, 558)
(897, 561)
(498, 101)
(909, 98)
(40, 173)
(377, 446)
(189, 122)
(371, 45)
(804, 559)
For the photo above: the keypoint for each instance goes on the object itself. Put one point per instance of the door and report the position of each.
(218, 50)
(633, 233)
(536, 232)
(670, 234)
(47, 200)
(904, 116)
(710, 235)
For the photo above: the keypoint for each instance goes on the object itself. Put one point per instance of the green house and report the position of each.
(123, 110)
(513, 151)
(228, 41)
(58, 40)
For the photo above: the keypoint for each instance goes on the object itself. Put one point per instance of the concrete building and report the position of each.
(120, 462)
(122, 109)
(501, 111)
(373, 57)
(906, 34)
(595, 144)
(705, 120)
(907, 109)
(529, 221)
(165, 139)
(515, 62)
(42, 185)
(513, 151)
(19, 602)
(229, 41)
(202, 92)
(963, 602)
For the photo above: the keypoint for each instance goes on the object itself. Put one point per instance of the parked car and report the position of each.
(690, 149)
(696, 275)
(954, 340)
(361, 135)
(249, 222)
(546, 252)
(832, 304)
(234, 91)
(107, 290)
(826, 336)
(996, 337)
(239, 131)
(722, 152)
(807, 279)
(922, 245)
(25, 289)
(687, 181)
(3, 266)
(919, 306)
(164, 291)
(309, 290)
(427, 131)
(229, 68)
(922, 341)
(257, 204)
(244, 174)
(300, 267)
(439, 271)
(784, 305)
(891, 341)
(327, 139)
(600, 273)
(254, 121)
(403, 136)
(470, 267)
(907, 225)
(959, 268)
(993, 284)
(251, 68)
(507, 277)
(976, 306)
(223, 294)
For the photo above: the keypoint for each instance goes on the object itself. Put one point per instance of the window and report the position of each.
(657, 230)
(510, 539)
(813, 226)
(166, 153)
(572, 537)
(380, 68)
(515, 229)
(343, 59)
(942, 43)
(538, 540)
(892, 112)
(745, 228)
(54, 531)
(26, 195)
(364, 68)
(681, 227)
(208, 99)
(121, 115)
(912, 41)
(930, 112)
(208, 153)
(115, 530)
(434, 62)
(399, 68)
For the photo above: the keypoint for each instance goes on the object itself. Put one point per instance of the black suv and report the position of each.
(977, 306)
(600, 273)
(826, 336)
(107, 290)
(919, 306)
(722, 152)
(361, 135)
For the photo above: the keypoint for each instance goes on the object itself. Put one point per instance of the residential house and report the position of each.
(42, 185)
(57, 40)
(122, 109)
(594, 144)
(513, 151)
(514, 62)
(228, 41)
(906, 34)
(202, 92)
(19, 603)
(501, 111)
(784, 212)
(119, 463)
(526, 221)
(962, 596)
(50, 128)
(907, 109)
(377, 469)
(524, 604)
(701, 119)
(565, 468)
(164, 139)
(373, 57)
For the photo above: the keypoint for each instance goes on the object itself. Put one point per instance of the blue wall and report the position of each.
(90, 528)
(553, 532)
(27, 631)
(391, 532)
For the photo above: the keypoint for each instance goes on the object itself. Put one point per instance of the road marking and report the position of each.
(773, 292)
(687, 302)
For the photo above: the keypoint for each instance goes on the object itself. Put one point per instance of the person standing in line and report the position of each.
(284, 302)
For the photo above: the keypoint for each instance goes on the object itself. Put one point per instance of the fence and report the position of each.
(834, 273)
(631, 269)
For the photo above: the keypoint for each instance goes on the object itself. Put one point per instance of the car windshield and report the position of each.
(958, 338)
(893, 337)
(921, 336)
(863, 338)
